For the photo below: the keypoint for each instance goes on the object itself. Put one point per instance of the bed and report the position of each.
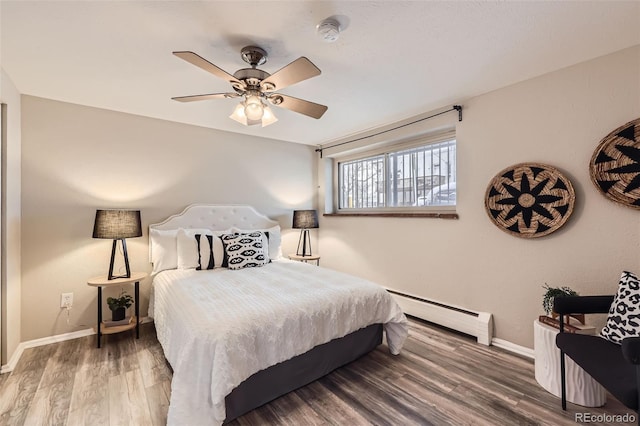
(238, 337)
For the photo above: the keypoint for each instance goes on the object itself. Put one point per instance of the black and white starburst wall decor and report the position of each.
(529, 200)
(615, 165)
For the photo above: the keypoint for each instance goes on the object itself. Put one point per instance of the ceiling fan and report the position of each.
(258, 87)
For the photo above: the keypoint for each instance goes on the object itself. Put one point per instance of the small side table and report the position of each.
(102, 282)
(306, 259)
(581, 388)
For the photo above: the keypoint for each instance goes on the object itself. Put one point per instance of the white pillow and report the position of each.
(274, 240)
(188, 248)
(164, 253)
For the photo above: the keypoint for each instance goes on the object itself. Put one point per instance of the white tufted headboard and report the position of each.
(216, 218)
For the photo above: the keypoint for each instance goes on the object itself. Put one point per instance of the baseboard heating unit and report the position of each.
(477, 324)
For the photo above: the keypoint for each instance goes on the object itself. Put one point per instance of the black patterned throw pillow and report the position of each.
(624, 314)
(205, 252)
(244, 250)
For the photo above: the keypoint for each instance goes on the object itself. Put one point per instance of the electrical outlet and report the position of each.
(66, 300)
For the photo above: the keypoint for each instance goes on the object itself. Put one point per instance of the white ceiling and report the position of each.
(394, 59)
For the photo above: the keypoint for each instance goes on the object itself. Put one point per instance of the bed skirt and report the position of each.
(277, 380)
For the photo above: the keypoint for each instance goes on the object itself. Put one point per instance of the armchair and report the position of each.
(615, 367)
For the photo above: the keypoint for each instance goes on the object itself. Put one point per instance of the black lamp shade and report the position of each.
(117, 224)
(305, 219)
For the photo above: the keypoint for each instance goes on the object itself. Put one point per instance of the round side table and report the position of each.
(581, 388)
(103, 282)
(306, 259)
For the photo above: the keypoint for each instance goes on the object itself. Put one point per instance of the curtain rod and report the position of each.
(453, 108)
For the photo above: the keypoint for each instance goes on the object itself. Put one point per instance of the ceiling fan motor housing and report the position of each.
(251, 76)
(253, 55)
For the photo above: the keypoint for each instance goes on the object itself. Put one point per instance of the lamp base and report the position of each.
(110, 276)
(305, 241)
(115, 277)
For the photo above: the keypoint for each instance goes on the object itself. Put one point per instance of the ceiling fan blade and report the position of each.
(206, 97)
(199, 61)
(297, 71)
(301, 106)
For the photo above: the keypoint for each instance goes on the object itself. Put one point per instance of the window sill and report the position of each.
(432, 215)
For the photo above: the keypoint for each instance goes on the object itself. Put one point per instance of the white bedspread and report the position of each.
(219, 327)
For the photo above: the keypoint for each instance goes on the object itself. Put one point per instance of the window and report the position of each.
(420, 176)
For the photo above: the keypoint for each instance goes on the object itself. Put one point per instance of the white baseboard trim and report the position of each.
(512, 347)
(13, 361)
(8, 367)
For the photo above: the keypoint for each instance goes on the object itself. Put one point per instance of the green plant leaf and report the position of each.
(553, 292)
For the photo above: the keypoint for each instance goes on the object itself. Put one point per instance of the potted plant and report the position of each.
(553, 292)
(119, 305)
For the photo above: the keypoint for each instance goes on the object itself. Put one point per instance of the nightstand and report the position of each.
(306, 259)
(102, 282)
(584, 390)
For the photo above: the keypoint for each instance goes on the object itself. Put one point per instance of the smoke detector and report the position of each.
(328, 30)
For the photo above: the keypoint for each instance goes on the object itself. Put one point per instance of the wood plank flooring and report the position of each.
(441, 378)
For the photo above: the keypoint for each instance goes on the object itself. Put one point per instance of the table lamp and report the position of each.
(117, 225)
(304, 219)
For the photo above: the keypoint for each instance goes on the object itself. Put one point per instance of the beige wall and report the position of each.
(11, 289)
(557, 119)
(77, 159)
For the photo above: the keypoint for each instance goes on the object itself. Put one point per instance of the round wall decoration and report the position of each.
(529, 200)
(615, 165)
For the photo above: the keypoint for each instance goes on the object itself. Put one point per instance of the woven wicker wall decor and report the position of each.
(529, 200)
(615, 165)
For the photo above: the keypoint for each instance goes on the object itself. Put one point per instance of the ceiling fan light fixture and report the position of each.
(241, 115)
(238, 114)
(268, 117)
(254, 109)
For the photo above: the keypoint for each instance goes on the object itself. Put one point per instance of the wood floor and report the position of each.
(441, 378)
